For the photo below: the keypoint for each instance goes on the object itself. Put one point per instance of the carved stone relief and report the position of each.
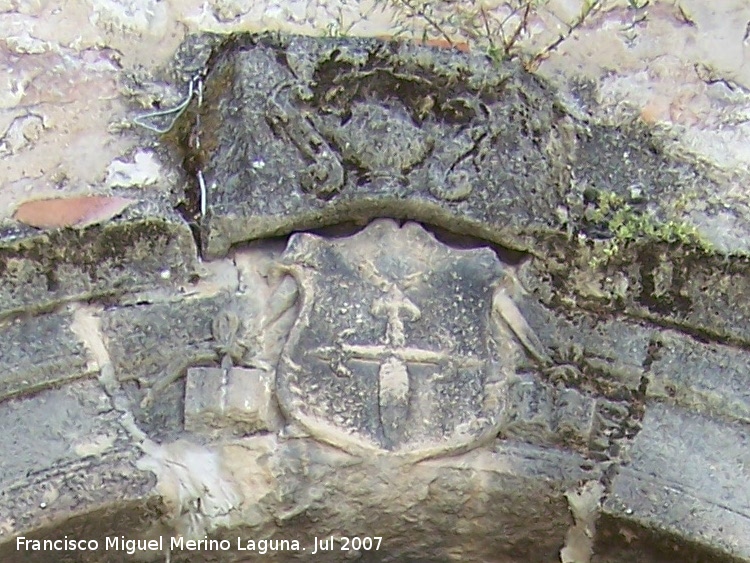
(453, 386)
(393, 348)
(299, 133)
(391, 342)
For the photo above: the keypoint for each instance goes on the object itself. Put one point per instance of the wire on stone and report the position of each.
(196, 83)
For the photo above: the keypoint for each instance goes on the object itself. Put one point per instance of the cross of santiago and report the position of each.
(393, 356)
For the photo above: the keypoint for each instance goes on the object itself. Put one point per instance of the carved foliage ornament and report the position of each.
(297, 133)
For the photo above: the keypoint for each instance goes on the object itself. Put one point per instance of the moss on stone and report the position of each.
(627, 224)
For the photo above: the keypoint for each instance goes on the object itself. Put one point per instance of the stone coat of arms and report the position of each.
(393, 347)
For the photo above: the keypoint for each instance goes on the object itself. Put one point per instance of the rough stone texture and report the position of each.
(149, 246)
(573, 406)
(545, 415)
(687, 477)
(393, 346)
(425, 510)
(64, 455)
(144, 339)
(155, 343)
(115, 502)
(38, 352)
(301, 133)
(699, 291)
(298, 133)
(587, 343)
(622, 345)
(238, 399)
(429, 507)
(680, 371)
(55, 426)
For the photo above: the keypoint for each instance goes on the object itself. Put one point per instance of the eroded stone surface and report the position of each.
(237, 399)
(148, 246)
(299, 133)
(687, 477)
(545, 415)
(700, 292)
(56, 426)
(569, 388)
(87, 498)
(63, 61)
(703, 377)
(37, 352)
(145, 339)
(393, 347)
(152, 345)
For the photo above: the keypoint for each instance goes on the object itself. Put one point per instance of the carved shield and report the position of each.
(392, 349)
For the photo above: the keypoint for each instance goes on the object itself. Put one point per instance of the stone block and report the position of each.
(300, 132)
(706, 377)
(148, 246)
(541, 414)
(615, 347)
(37, 352)
(145, 339)
(687, 478)
(55, 427)
(93, 498)
(240, 400)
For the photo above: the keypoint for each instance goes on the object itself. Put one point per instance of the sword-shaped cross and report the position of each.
(393, 356)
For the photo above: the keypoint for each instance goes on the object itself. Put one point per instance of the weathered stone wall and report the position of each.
(143, 387)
